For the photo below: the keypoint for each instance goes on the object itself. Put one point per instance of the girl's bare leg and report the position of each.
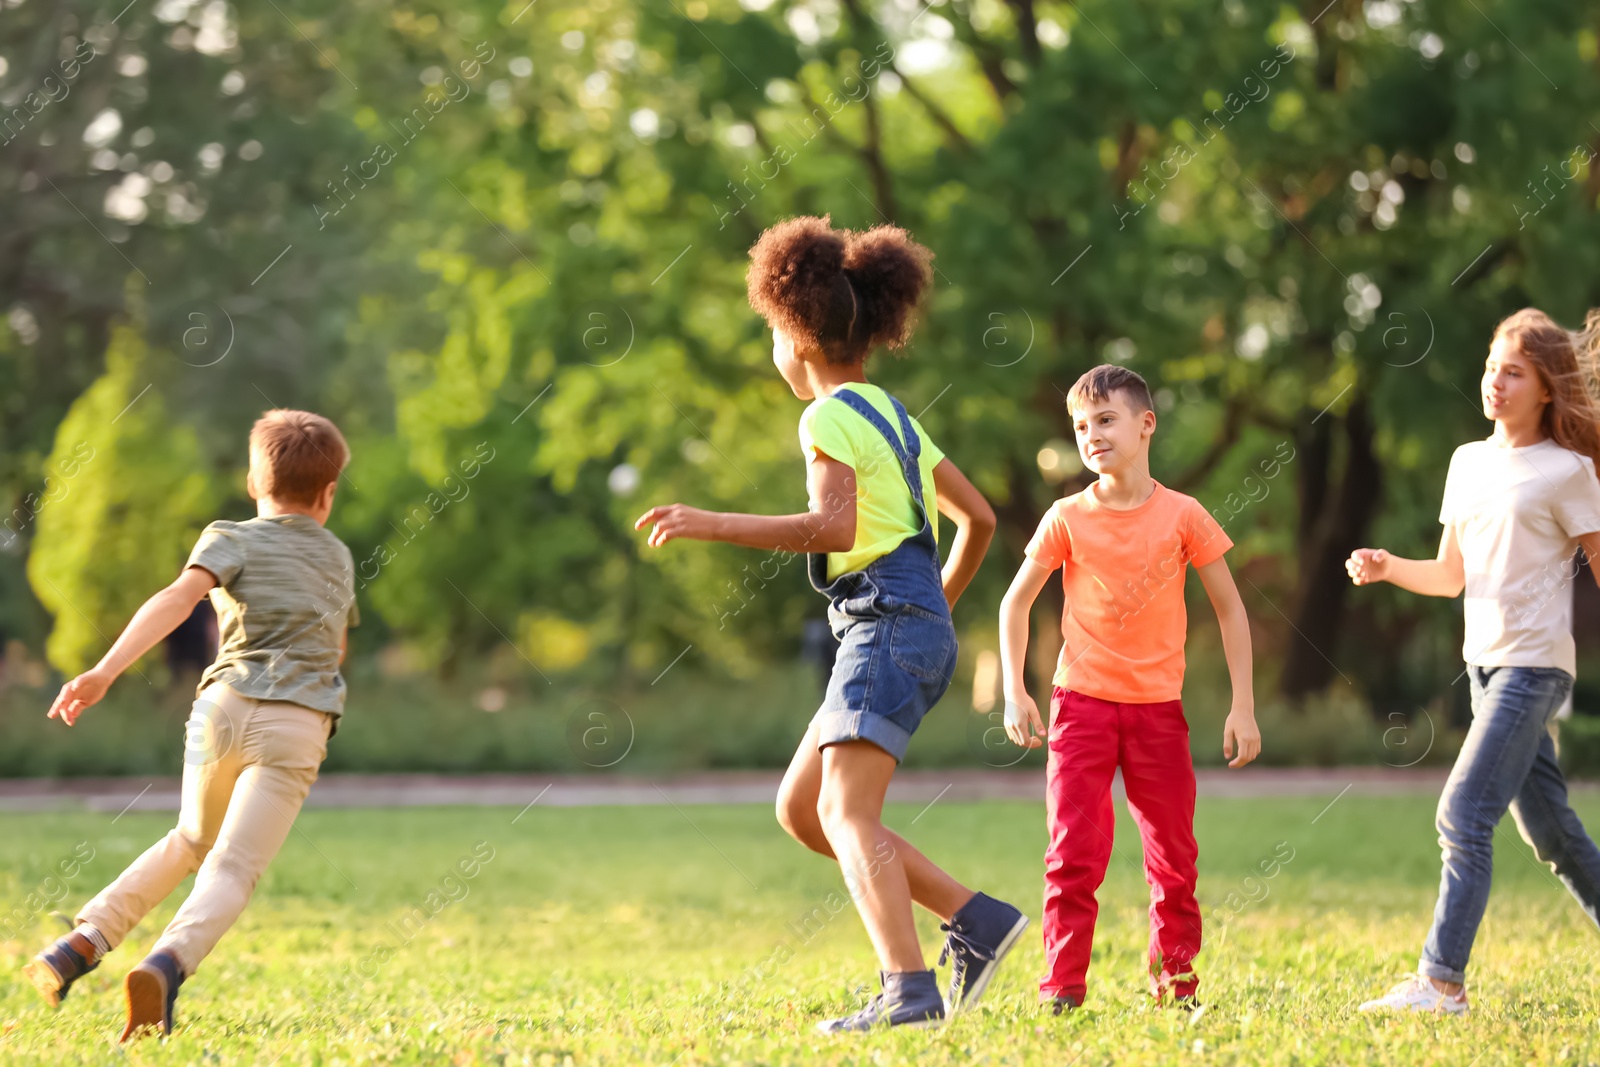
(798, 797)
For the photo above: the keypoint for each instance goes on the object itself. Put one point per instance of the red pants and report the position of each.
(1089, 740)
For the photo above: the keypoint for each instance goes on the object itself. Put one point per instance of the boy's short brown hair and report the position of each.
(301, 452)
(1104, 381)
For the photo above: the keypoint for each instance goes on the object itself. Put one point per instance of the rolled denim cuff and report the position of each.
(1440, 973)
(835, 727)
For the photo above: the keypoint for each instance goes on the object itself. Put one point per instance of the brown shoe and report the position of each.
(152, 989)
(53, 971)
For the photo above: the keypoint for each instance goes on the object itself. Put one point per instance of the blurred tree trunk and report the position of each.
(1333, 521)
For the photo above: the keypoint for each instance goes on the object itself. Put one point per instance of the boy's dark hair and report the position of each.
(840, 291)
(1107, 379)
(301, 453)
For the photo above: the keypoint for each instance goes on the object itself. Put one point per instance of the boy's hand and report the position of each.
(1022, 722)
(1240, 732)
(1367, 565)
(82, 692)
(676, 520)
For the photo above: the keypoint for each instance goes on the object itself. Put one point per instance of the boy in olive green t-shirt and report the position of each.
(283, 589)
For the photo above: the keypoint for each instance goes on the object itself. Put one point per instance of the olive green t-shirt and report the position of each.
(285, 594)
(885, 514)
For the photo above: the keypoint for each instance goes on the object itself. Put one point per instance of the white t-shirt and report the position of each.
(1518, 513)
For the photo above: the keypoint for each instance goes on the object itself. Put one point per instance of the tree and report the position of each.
(524, 227)
(130, 498)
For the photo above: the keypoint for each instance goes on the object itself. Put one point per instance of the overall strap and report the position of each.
(907, 454)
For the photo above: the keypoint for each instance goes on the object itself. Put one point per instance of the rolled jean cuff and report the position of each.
(836, 727)
(1440, 973)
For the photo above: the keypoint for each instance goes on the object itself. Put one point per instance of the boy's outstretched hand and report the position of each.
(1240, 732)
(675, 520)
(1023, 725)
(82, 692)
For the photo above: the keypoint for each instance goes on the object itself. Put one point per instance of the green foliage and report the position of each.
(134, 495)
(1580, 746)
(448, 224)
(689, 720)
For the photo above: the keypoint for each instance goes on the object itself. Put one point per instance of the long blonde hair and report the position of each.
(1569, 366)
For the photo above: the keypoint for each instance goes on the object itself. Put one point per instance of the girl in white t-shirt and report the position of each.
(1516, 508)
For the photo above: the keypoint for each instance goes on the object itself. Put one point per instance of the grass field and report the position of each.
(702, 935)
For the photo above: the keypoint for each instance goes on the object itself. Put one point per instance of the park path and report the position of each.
(720, 787)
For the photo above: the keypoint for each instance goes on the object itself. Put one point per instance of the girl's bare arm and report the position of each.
(974, 519)
(829, 525)
(1444, 576)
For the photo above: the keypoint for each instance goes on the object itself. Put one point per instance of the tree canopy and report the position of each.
(511, 238)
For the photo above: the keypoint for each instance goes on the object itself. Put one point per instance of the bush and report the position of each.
(687, 721)
(1580, 746)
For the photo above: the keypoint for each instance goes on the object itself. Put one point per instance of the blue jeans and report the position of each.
(892, 667)
(1507, 761)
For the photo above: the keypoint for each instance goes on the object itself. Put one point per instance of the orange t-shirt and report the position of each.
(1123, 569)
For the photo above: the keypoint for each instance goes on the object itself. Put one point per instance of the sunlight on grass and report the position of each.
(627, 936)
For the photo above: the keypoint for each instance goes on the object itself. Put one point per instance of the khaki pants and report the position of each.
(248, 765)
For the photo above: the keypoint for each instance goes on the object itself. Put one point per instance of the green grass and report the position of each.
(629, 936)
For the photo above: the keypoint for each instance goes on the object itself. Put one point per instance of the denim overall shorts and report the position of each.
(897, 645)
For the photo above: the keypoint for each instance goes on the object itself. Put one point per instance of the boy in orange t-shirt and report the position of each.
(1122, 545)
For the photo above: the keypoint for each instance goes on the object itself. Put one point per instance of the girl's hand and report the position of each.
(1022, 716)
(677, 520)
(1368, 565)
(82, 692)
(1241, 732)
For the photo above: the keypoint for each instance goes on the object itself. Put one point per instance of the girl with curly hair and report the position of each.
(832, 297)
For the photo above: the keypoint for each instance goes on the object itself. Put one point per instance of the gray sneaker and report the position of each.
(910, 999)
(980, 935)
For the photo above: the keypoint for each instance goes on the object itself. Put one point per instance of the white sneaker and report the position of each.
(1418, 993)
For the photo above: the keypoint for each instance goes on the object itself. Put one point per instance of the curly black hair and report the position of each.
(844, 292)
